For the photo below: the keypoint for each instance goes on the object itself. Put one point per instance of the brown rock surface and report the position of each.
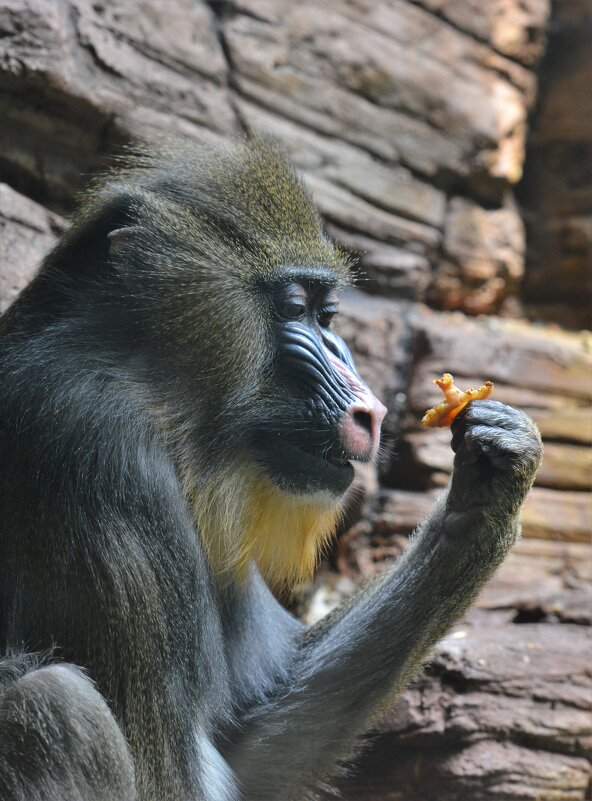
(541, 361)
(503, 711)
(391, 515)
(495, 716)
(558, 515)
(564, 466)
(518, 31)
(374, 74)
(77, 78)
(547, 513)
(391, 109)
(391, 101)
(483, 257)
(546, 372)
(408, 120)
(27, 232)
(557, 187)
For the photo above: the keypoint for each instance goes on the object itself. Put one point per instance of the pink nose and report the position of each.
(360, 426)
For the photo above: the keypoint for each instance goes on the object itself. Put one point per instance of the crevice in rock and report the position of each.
(222, 11)
(475, 37)
(555, 193)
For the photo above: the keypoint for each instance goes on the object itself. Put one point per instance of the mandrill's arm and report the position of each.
(351, 665)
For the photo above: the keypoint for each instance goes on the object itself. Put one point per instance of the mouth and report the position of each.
(325, 461)
(302, 471)
(336, 461)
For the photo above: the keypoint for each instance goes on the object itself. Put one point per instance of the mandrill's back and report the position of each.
(101, 567)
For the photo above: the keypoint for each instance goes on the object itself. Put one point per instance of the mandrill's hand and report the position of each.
(498, 451)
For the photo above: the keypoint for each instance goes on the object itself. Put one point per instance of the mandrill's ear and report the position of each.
(119, 238)
(121, 243)
(124, 243)
(109, 220)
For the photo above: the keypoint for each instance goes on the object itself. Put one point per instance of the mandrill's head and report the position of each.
(228, 287)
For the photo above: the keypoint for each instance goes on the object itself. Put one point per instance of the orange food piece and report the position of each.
(444, 413)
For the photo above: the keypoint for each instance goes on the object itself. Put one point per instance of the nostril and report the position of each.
(363, 420)
(360, 427)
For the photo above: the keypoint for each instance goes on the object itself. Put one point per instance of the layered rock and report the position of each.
(408, 120)
(405, 117)
(27, 232)
(557, 187)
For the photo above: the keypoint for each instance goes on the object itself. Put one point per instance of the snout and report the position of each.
(359, 428)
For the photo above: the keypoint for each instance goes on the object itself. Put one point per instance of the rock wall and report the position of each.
(409, 120)
(503, 710)
(557, 189)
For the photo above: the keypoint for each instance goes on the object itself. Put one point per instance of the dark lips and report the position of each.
(296, 469)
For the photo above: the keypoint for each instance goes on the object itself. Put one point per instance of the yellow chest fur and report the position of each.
(252, 520)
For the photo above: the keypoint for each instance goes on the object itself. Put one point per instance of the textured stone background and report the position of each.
(449, 143)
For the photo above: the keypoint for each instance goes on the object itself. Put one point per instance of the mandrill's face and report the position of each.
(273, 411)
(324, 415)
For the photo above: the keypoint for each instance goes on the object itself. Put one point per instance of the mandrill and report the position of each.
(177, 425)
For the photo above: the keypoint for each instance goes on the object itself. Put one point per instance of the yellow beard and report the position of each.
(250, 519)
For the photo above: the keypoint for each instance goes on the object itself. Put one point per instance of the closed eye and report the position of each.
(292, 309)
(326, 315)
